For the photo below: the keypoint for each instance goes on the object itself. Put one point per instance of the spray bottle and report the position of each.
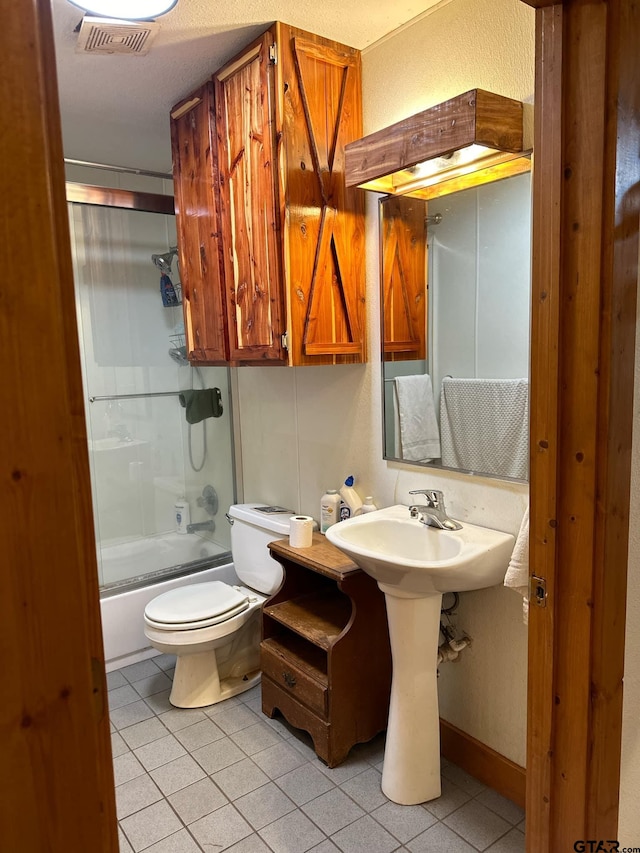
(351, 498)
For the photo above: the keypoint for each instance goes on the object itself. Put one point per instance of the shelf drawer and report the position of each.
(293, 675)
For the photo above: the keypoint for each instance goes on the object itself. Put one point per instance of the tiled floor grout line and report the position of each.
(286, 736)
(185, 826)
(510, 828)
(275, 781)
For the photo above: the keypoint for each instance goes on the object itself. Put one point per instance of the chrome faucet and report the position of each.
(432, 513)
(210, 526)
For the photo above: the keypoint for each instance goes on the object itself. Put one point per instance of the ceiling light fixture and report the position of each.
(126, 10)
(470, 139)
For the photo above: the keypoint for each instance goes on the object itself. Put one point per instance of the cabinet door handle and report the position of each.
(289, 680)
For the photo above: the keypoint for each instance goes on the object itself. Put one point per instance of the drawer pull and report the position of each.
(289, 680)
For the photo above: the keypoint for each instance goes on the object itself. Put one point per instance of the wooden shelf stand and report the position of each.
(325, 653)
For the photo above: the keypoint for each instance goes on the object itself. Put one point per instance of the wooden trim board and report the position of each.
(57, 784)
(543, 441)
(585, 267)
(483, 763)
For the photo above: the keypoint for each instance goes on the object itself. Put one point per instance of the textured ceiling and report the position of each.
(115, 108)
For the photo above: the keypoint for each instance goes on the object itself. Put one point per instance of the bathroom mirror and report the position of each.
(455, 308)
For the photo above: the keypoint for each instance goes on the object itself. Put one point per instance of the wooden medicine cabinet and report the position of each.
(271, 240)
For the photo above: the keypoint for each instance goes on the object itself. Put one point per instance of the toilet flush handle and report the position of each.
(228, 517)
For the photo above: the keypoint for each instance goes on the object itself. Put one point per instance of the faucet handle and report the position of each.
(435, 498)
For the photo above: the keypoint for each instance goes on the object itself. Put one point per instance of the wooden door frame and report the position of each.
(585, 273)
(581, 438)
(56, 774)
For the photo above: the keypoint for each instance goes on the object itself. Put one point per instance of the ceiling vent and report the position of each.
(108, 35)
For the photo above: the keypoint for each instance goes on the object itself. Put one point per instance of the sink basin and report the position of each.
(414, 565)
(399, 551)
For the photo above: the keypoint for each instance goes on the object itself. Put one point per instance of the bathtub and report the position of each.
(122, 611)
(151, 555)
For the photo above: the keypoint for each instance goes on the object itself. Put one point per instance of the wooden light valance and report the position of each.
(474, 133)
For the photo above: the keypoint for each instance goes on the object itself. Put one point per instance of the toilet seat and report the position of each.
(195, 606)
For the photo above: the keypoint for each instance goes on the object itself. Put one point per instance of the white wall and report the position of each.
(305, 429)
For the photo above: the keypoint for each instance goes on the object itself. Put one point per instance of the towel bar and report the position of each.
(134, 396)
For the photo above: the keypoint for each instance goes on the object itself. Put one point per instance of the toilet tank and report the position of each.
(253, 526)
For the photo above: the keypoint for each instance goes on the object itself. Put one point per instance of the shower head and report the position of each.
(179, 355)
(164, 262)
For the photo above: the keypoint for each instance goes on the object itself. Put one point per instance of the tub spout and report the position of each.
(209, 526)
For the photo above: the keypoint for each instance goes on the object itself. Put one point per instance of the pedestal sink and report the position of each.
(414, 565)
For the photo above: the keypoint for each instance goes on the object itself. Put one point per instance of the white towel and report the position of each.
(484, 425)
(419, 433)
(397, 444)
(517, 576)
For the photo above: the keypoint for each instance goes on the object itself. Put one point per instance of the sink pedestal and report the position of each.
(414, 564)
(411, 769)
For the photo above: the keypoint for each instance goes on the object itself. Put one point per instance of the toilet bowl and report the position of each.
(214, 628)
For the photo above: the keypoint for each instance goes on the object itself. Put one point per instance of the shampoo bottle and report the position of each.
(183, 517)
(329, 509)
(368, 505)
(351, 498)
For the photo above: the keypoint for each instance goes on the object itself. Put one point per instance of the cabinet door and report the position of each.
(194, 151)
(324, 240)
(250, 214)
(404, 278)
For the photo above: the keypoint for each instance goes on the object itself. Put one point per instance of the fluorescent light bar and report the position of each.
(443, 142)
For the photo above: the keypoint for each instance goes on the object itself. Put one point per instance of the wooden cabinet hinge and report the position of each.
(273, 53)
(285, 341)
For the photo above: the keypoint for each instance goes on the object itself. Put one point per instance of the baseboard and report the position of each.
(127, 660)
(483, 762)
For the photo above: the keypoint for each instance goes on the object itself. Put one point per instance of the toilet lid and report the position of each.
(196, 606)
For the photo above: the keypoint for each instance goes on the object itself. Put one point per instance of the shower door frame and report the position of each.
(126, 199)
(135, 201)
(146, 202)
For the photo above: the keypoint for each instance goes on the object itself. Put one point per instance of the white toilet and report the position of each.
(214, 628)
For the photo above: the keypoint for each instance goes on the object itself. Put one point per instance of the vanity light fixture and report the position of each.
(126, 10)
(466, 141)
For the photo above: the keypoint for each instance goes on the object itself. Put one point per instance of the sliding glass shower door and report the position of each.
(144, 457)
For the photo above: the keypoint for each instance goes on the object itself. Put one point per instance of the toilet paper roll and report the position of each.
(301, 531)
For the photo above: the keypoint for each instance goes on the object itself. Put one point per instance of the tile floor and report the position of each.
(226, 778)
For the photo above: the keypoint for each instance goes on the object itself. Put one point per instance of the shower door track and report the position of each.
(127, 199)
(135, 396)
